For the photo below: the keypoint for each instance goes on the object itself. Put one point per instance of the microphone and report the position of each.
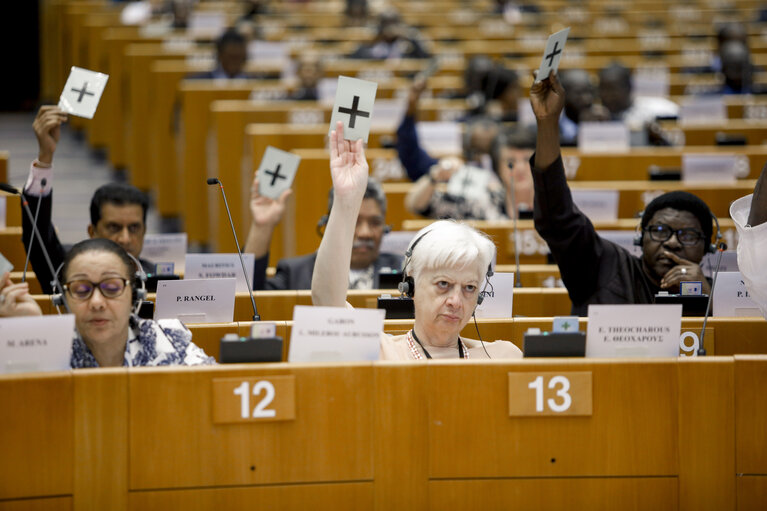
(721, 248)
(215, 181)
(55, 283)
(43, 182)
(515, 213)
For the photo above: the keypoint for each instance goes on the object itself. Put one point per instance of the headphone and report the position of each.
(407, 286)
(711, 249)
(138, 293)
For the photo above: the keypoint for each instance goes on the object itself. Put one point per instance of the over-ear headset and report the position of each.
(407, 286)
(137, 284)
(639, 237)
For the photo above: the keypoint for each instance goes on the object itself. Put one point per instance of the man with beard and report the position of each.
(676, 228)
(296, 272)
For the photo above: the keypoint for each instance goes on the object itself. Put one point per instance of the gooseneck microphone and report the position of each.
(720, 248)
(43, 182)
(55, 283)
(215, 181)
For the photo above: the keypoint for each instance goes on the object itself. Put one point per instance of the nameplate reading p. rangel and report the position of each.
(267, 398)
(196, 301)
(535, 394)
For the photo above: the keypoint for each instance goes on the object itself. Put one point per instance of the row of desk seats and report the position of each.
(661, 434)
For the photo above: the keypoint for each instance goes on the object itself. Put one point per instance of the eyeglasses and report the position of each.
(83, 289)
(662, 232)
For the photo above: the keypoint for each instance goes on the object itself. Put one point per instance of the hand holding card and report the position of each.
(354, 107)
(551, 57)
(276, 172)
(82, 92)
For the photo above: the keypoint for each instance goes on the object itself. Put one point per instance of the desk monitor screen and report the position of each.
(29, 344)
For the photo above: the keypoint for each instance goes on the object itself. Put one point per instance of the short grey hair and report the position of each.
(374, 190)
(450, 244)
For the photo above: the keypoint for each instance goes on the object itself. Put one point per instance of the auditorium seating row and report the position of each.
(657, 434)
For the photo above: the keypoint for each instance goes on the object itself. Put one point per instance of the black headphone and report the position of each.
(639, 238)
(138, 286)
(407, 286)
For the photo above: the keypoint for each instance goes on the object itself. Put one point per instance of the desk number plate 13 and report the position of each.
(536, 394)
(268, 398)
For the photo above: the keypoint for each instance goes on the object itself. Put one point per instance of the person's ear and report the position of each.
(91, 231)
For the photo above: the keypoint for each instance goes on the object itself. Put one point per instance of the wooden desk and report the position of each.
(750, 424)
(662, 434)
(12, 207)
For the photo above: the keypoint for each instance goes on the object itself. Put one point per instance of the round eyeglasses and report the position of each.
(83, 289)
(662, 232)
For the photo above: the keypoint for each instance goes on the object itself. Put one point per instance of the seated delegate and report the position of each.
(676, 228)
(447, 266)
(101, 288)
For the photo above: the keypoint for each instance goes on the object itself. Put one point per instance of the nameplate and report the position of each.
(206, 23)
(708, 167)
(329, 334)
(729, 262)
(550, 394)
(603, 137)
(650, 82)
(702, 109)
(196, 301)
(439, 138)
(220, 266)
(36, 343)
(633, 330)
(166, 248)
(268, 51)
(498, 296)
(264, 399)
(598, 205)
(731, 298)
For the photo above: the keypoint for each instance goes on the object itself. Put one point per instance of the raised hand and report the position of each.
(15, 299)
(47, 126)
(684, 271)
(348, 167)
(547, 98)
(267, 212)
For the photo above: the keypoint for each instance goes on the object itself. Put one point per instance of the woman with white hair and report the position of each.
(447, 264)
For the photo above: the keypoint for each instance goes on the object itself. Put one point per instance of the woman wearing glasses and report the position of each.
(101, 290)
(675, 231)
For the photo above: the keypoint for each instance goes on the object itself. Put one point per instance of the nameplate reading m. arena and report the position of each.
(199, 298)
(268, 398)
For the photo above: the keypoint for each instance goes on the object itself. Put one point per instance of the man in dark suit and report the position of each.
(118, 211)
(367, 261)
(231, 57)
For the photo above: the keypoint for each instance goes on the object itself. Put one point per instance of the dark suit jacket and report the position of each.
(56, 250)
(296, 272)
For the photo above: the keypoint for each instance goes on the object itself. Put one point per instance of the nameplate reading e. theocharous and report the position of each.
(265, 398)
(550, 394)
(36, 343)
(166, 248)
(633, 330)
(220, 266)
(498, 296)
(731, 298)
(196, 301)
(328, 334)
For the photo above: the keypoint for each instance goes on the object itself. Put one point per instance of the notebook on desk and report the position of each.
(34, 343)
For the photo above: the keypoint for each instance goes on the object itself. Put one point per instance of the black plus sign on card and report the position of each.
(353, 111)
(553, 53)
(83, 92)
(275, 174)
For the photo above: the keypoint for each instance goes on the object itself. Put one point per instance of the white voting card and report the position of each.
(498, 297)
(633, 330)
(82, 92)
(5, 265)
(37, 343)
(195, 301)
(221, 266)
(551, 57)
(354, 107)
(276, 172)
(3, 213)
(327, 334)
(166, 248)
